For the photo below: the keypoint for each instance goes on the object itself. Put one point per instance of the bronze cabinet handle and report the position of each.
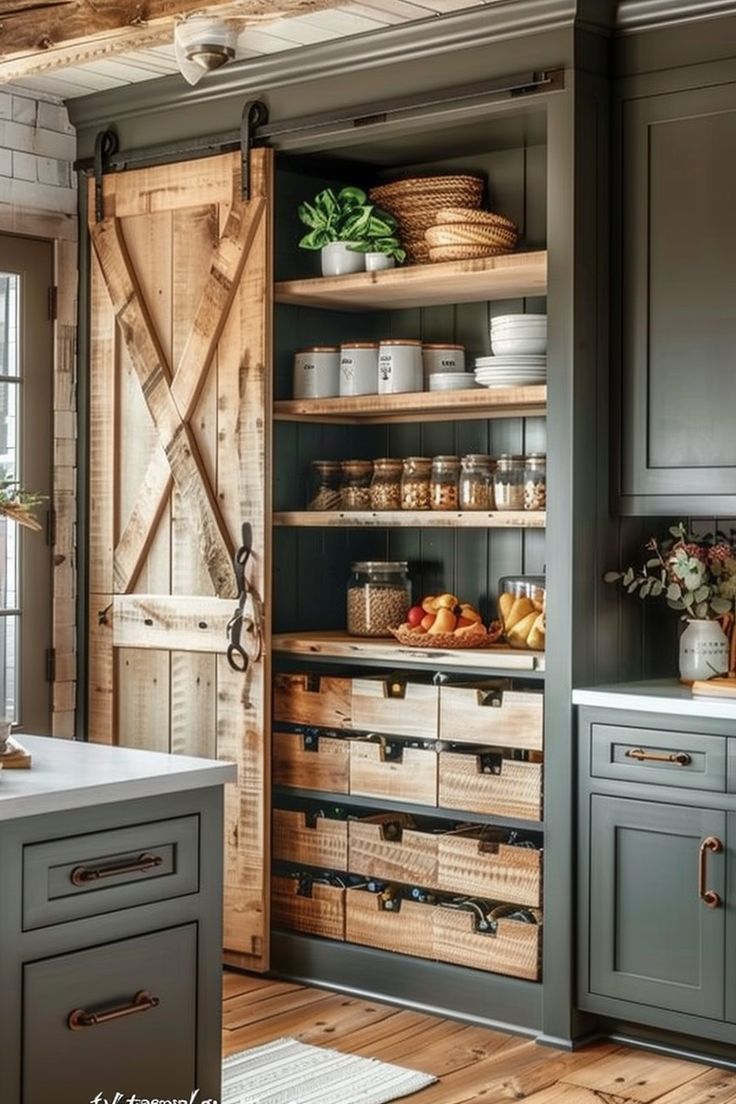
(83, 875)
(142, 1002)
(679, 758)
(709, 897)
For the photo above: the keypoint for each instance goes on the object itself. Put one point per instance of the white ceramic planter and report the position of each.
(703, 651)
(338, 260)
(374, 262)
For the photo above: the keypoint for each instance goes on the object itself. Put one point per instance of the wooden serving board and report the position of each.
(16, 757)
(715, 688)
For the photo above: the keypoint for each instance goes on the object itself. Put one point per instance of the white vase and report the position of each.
(374, 262)
(338, 260)
(703, 651)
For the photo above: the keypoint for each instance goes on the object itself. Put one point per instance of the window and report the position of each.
(26, 400)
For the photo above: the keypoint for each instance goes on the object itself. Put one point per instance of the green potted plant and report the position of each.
(347, 229)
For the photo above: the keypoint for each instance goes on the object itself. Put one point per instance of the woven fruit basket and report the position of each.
(480, 638)
(414, 203)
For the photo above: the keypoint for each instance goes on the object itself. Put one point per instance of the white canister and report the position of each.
(703, 651)
(399, 367)
(359, 368)
(317, 372)
(442, 358)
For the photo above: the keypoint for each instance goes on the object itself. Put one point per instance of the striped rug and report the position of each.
(290, 1072)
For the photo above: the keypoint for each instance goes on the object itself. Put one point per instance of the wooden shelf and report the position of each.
(418, 406)
(340, 646)
(410, 519)
(513, 276)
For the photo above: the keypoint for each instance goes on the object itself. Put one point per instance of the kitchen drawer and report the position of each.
(320, 912)
(684, 759)
(403, 855)
(80, 876)
(315, 842)
(394, 772)
(311, 761)
(491, 713)
(408, 930)
(514, 948)
(68, 1057)
(490, 783)
(307, 699)
(393, 705)
(471, 863)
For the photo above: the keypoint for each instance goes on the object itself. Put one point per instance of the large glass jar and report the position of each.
(443, 486)
(326, 476)
(379, 597)
(355, 491)
(535, 482)
(476, 492)
(386, 484)
(415, 483)
(521, 607)
(508, 482)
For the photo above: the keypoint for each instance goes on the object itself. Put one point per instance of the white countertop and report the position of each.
(657, 696)
(71, 775)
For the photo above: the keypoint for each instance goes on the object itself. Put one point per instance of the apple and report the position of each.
(428, 621)
(415, 616)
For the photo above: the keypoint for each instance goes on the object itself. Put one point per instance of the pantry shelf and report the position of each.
(512, 276)
(411, 519)
(418, 406)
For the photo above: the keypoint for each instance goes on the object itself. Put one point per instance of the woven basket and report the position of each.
(470, 188)
(465, 233)
(441, 253)
(445, 641)
(414, 203)
(471, 214)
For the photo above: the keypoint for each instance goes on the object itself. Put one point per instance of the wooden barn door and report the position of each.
(179, 460)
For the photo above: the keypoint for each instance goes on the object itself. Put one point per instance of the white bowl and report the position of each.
(525, 345)
(504, 320)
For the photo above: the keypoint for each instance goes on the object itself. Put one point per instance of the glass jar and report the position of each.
(386, 484)
(508, 482)
(476, 491)
(444, 483)
(415, 483)
(355, 490)
(379, 597)
(521, 606)
(535, 482)
(326, 475)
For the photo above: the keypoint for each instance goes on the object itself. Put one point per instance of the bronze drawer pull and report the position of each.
(680, 758)
(83, 875)
(142, 1002)
(709, 897)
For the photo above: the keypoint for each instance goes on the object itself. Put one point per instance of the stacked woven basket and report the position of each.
(439, 218)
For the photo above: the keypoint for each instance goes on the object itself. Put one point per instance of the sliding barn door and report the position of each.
(179, 461)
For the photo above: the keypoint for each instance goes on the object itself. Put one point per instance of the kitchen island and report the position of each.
(110, 924)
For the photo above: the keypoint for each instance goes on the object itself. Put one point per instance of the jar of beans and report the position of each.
(508, 482)
(386, 484)
(355, 491)
(379, 597)
(444, 483)
(415, 483)
(535, 482)
(475, 491)
(326, 476)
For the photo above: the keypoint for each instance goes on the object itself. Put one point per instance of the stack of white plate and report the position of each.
(523, 334)
(451, 381)
(511, 371)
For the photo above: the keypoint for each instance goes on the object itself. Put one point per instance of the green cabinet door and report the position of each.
(653, 941)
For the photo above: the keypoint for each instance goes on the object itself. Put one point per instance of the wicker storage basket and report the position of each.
(465, 252)
(444, 641)
(449, 215)
(469, 233)
(415, 202)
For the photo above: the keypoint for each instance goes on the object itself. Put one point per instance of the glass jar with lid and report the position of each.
(522, 601)
(444, 483)
(355, 490)
(379, 597)
(508, 482)
(386, 484)
(476, 491)
(535, 482)
(415, 483)
(326, 476)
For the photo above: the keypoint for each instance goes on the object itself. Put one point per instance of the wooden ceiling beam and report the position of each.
(39, 36)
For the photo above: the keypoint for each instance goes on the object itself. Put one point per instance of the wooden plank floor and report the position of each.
(473, 1064)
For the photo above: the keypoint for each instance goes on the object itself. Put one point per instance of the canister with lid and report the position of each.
(535, 482)
(379, 597)
(444, 483)
(442, 358)
(399, 367)
(359, 368)
(355, 491)
(386, 484)
(317, 372)
(508, 482)
(326, 476)
(476, 488)
(416, 483)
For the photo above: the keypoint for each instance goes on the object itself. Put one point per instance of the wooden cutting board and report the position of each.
(15, 757)
(715, 688)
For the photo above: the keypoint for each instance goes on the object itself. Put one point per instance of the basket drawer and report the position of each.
(411, 858)
(322, 913)
(312, 700)
(323, 842)
(411, 776)
(391, 705)
(488, 713)
(311, 762)
(409, 930)
(471, 865)
(514, 948)
(490, 783)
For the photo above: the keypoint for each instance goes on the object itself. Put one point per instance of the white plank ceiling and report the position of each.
(265, 38)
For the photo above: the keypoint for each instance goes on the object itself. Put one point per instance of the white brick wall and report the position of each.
(37, 149)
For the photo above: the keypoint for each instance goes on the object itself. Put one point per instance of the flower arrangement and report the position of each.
(18, 504)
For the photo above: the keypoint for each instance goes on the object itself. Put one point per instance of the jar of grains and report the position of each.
(535, 482)
(355, 491)
(508, 482)
(379, 597)
(444, 484)
(326, 475)
(476, 491)
(386, 484)
(415, 483)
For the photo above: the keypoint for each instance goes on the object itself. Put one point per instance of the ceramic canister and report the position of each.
(359, 368)
(317, 372)
(442, 358)
(399, 367)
